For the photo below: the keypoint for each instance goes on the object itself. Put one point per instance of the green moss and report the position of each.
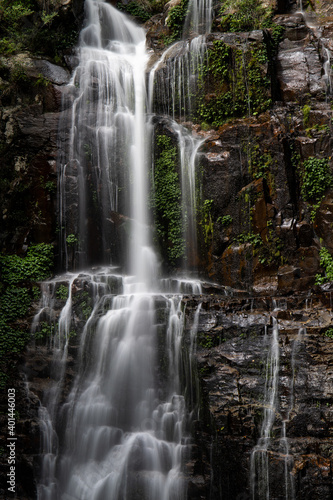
(316, 178)
(207, 221)
(244, 15)
(36, 266)
(224, 220)
(25, 26)
(17, 293)
(306, 115)
(136, 10)
(326, 262)
(233, 83)
(175, 20)
(259, 162)
(329, 333)
(166, 201)
(62, 292)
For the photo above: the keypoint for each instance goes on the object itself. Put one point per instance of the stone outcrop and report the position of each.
(233, 340)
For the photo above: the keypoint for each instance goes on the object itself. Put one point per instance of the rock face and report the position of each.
(234, 338)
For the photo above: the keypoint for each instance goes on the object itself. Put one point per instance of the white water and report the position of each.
(260, 455)
(289, 482)
(120, 429)
(199, 17)
(328, 71)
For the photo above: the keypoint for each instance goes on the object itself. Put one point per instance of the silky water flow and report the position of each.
(121, 428)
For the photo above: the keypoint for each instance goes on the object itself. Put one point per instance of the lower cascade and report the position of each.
(123, 430)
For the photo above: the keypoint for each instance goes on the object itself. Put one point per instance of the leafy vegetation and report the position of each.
(316, 178)
(225, 220)
(166, 201)
(326, 262)
(23, 26)
(244, 15)
(175, 20)
(71, 240)
(233, 83)
(136, 10)
(62, 292)
(329, 333)
(306, 114)
(36, 266)
(17, 293)
(207, 220)
(259, 162)
(253, 239)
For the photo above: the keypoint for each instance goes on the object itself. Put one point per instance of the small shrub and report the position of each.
(329, 333)
(316, 179)
(306, 115)
(62, 292)
(326, 262)
(244, 15)
(71, 240)
(225, 221)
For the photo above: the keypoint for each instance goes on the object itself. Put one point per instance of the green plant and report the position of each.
(45, 330)
(253, 239)
(316, 179)
(329, 333)
(225, 221)
(166, 200)
(136, 10)
(233, 82)
(326, 262)
(36, 266)
(306, 114)
(25, 27)
(207, 220)
(42, 81)
(259, 162)
(35, 292)
(176, 18)
(14, 303)
(244, 15)
(71, 240)
(62, 292)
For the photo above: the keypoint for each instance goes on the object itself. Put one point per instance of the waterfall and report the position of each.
(199, 17)
(328, 71)
(260, 455)
(114, 421)
(173, 83)
(284, 444)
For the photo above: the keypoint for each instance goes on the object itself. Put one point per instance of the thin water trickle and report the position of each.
(328, 71)
(260, 488)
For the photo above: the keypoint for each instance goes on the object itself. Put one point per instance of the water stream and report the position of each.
(260, 488)
(120, 427)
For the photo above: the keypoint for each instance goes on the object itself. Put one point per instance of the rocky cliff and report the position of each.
(266, 169)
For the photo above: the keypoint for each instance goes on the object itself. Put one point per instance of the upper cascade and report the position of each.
(199, 18)
(105, 25)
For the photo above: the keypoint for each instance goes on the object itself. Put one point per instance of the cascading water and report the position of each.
(259, 457)
(121, 429)
(284, 444)
(173, 82)
(328, 71)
